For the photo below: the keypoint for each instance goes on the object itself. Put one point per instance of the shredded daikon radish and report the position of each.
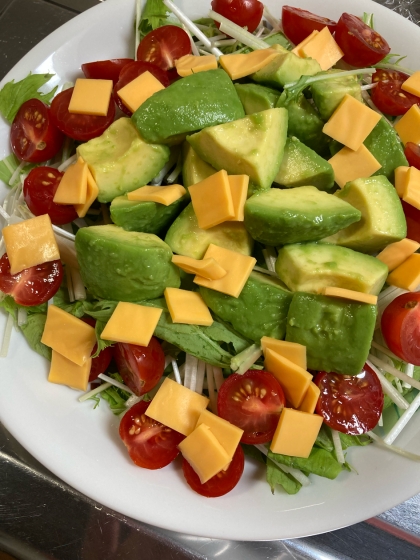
(22, 317)
(63, 233)
(296, 473)
(394, 371)
(201, 369)
(157, 181)
(168, 360)
(70, 284)
(408, 370)
(245, 359)
(16, 173)
(114, 382)
(6, 337)
(69, 161)
(172, 177)
(369, 86)
(176, 372)
(94, 392)
(67, 251)
(225, 43)
(402, 421)
(218, 377)
(385, 351)
(274, 22)
(381, 421)
(211, 388)
(139, 10)
(134, 399)
(338, 447)
(77, 283)
(264, 271)
(270, 257)
(237, 32)
(388, 388)
(193, 45)
(191, 363)
(393, 448)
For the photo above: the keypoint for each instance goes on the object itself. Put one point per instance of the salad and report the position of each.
(280, 470)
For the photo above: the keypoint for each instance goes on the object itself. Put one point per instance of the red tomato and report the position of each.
(245, 13)
(105, 69)
(412, 153)
(362, 46)
(412, 215)
(382, 75)
(32, 286)
(390, 99)
(33, 135)
(78, 127)
(141, 367)
(298, 24)
(400, 326)
(151, 445)
(38, 191)
(102, 361)
(253, 402)
(163, 46)
(351, 404)
(221, 483)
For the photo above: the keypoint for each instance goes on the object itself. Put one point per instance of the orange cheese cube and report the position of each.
(138, 90)
(132, 323)
(310, 399)
(407, 275)
(91, 195)
(72, 188)
(239, 191)
(411, 187)
(91, 97)
(212, 200)
(296, 433)
(323, 48)
(412, 84)
(298, 49)
(408, 127)
(191, 64)
(66, 372)
(187, 307)
(401, 179)
(293, 379)
(350, 294)
(293, 351)
(241, 65)
(349, 165)
(162, 195)
(206, 268)
(396, 253)
(227, 434)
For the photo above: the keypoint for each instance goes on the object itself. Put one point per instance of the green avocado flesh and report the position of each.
(337, 334)
(328, 94)
(285, 69)
(260, 310)
(194, 169)
(281, 216)
(120, 161)
(311, 267)
(189, 104)
(256, 98)
(124, 265)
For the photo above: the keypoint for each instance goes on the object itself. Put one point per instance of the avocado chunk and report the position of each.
(311, 267)
(256, 98)
(120, 161)
(124, 265)
(302, 166)
(328, 94)
(337, 333)
(383, 220)
(253, 145)
(260, 310)
(281, 216)
(194, 169)
(285, 69)
(189, 104)
(184, 236)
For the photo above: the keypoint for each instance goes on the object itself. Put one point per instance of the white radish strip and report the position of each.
(398, 386)
(218, 377)
(385, 351)
(15, 175)
(137, 30)
(134, 399)
(176, 372)
(94, 392)
(64, 233)
(369, 86)
(80, 222)
(168, 360)
(22, 317)
(193, 45)
(217, 37)
(211, 389)
(2, 247)
(200, 376)
(246, 359)
(388, 388)
(67, 163)
(270, 257)
(6, 337)
(264, 271)
(67, 251)
(259, 32)
(4, 214)
(157, 181)
(338, 447)
(274, 22)
(408, 370)
(225, 43)
(69, 284)
(172, 177)
(204, 52)
(116, 383)
(9, 167)
(385, 293)
(394, 371)
(78, 286)
(237, 32)
(402, 421)
(393, 448)
(381, 421)
(190, 366)
(296, 473)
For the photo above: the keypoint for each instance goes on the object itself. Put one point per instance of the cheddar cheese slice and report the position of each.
(72, 188)
(206, 268)
(407, 275)
(293, 351)
(408, 127)
(296, 433)
(396, 253)
(241, 65)
(91, 97)
(163, 195)
(411, 187)
(298, 50)
(310, 399)
(227, 434)
(350, 294)
(412, 84)
(323, 48)
(132, 323)
(191, 64)
(401, 179)
(349, 165)
(138, 90)
(91, 195)
(212, 200)
(66, 372)
(187, 307)
(239, 190)
(293, 379)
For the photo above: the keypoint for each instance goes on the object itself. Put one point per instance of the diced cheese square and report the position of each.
(238, 268)
(411, 187)
(91, 195)
(177, 407)
(293, 379)
(408, 127)
(396, 253)
(351, 123)
(323, 48)
(349, 165)
(212, 200)
(163, 195)
(132, 323)
(241, 65)
(401, 179)
(350, 294)
(227, 434)
(30, 243)
(204, 453)
(298, 49)
(407, 275)
(296, 433)
(239, 190)
(187, 307)
(206, 268)
(138, 90)
(191, 64)
(72, 188)
(310, 399)
(91, 97)
(412, 84)
(293, 351)
(66, 372)
(69, 336)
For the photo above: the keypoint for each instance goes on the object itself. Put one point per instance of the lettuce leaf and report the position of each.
(277, 477)
(155, 14)
(320, 462)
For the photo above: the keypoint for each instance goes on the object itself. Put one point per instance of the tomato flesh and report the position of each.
(391, 99)
(412, 153)
(102, 360)
(105, 69)
(245, 13)
(384, 75)
(400, 324)
(163, 46)
(299, 24)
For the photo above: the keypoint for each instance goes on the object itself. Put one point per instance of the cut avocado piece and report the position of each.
(120, 161)
(281, 216)
(189, 104)
(383, 220)
(256, 98)
(124, 265)
(260, 310)
(184, 236)
(253, 145)
(285, 69)
(337, 333)
(328, 94)
(194, 169)
(302, 166)
(311, 267)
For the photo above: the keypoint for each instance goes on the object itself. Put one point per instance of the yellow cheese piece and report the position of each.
(212, 200)
(177, 407)
(407, 275)
(204, 453)
(293, 351)
(239, 191)
(323, 48)
(350, 294)
(191, 64)
(396, 253)
(241, 65)
(411, 187)
(412, 84)
(91, 194)
(293, 379)
(351, 122)
(132, 323)
(310, 399)
(227, 434)
(187, 307)
(298, 49)
(238, 268)
(296, 433)
(30, 243)
(72, 188)
(66, 372)
(91, 97)
(206, 268)
(349, 165)
(163, 195)
(400, 177)
(408, 127)
(69, 336)
(138, 90)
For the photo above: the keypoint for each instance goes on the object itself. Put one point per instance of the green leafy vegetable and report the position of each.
(115, 397)
(154, 15)
(277, 477)
(320, 462)
(325, 441)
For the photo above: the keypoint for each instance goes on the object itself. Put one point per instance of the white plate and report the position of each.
(81, 445)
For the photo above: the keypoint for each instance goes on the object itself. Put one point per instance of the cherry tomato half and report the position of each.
(412, 153)
(102, 360)
(150, 444)
(33, 136)
(32, 286)
(245, 13)
(351, 404)
(390, 99)
(163, 46)
(400, 326)
(412, 216)
(105, 69)
(78, 127)
(383, 75)
(221, 483)
(362, 45)
(253, 402)
(298, 24)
